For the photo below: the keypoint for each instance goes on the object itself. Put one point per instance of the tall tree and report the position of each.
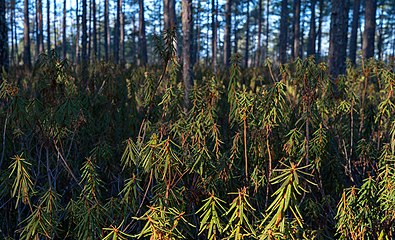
(54, 24)
(338, 38)
(121, 33)
(370, 29)
(186, 53)
(319, 34)
(26, 35)
(267, 29)
(94, 29)
(259, 40)
(228, 15)
(39, 31)
(48, 25)
(296, 28)
(84, 43)
(283, 31)
(214, 39)
(169, 13)
(142, 37)
(77, 35)
(312, 36)
(64, 36)
(117, 31)
(354, 31)
(247, 35)
(3, 39)
(106, 30)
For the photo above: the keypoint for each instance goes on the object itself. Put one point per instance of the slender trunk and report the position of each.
(321, 8)
(26, 36)
(12, 16)
(89, 49)
(235, 33)
(311, 39)
(77, 36)
(283, 32)
(166, 14)
(48, 25)
(259, 43)
(84, 39)
(54, 24)
(94, 33)
(116, 32)
(3, 39)
(142, 37)
(187, 23)
(172, 13)
(354, 31)
(296, 43)
(228, 16)
(247, 36)
(214, 25)
(106, 31)
(266, 52)
(380, 38)
(338, 38)
(40, 39)
(370, 29)
(64, 39)
(122, 35)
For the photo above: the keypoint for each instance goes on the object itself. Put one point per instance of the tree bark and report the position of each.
(321, 9)
(265, 54)
(370, 29)
(3, 39)
(77, 35)
(338, 38)
(247, 36)
(227, 45)
(283, 32)
(169, 11)
(186, 54)
(64, 37)
(106, 31)
(259, 40)
(214, 25)
(26, 36)
(40, 39)
(84, 42)
(122, 34)
(142, 37)
(117, 32)
(296, 42)
(54, 24)
(49, 25)
(94, 32)
(311, 39)
(354, 31)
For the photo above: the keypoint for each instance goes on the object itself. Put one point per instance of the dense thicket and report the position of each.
(261, 154)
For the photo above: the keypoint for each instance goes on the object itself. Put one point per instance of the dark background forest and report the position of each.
(215, 119)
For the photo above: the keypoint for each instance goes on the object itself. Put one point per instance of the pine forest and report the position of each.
(197, 119)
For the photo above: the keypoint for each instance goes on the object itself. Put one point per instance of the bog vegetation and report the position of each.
(277, 152)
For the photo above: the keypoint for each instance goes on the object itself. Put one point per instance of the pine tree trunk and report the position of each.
(247, 36)
(3, 39)
(77, 35)
(64, 37)
(12, 23)
(370, 29)
(354, 31)
(54, 25)
(94, 29)
(84, 42)
(214, 24)
(106, 31)
(186, 56)
(266, 52)
(116, 32)
(296, 42)
(311, 39)
(283, 32)
(142, 37)
(227, 45)
(49, 25)
(26, 36)
(321, 9)
(122, 34)
(259, 40)
(338, 38)
(40, 39)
